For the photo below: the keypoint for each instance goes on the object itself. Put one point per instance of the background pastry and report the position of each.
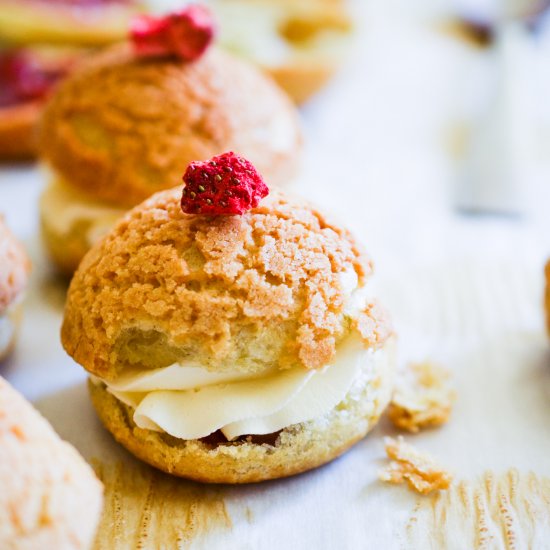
(228, 348)
(42, 40)
(14, 271)
(27, 75)
(72, 22)
(122, 127)
(50, 497)
(300, 44)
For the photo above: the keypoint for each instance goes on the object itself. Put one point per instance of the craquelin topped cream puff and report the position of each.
(230, 340)
(14, 272)
(49, 497)
(128, 122)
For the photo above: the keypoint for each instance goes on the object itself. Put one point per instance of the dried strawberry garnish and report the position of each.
(224, 185)
(186, 33)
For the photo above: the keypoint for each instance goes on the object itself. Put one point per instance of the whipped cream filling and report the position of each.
(189, 402)
(63, 207)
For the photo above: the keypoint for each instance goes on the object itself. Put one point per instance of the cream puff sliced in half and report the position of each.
(230, 344)
(14, 273)
(125, 125)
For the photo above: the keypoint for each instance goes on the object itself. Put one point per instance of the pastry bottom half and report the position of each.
(83, 222)
(295, 449)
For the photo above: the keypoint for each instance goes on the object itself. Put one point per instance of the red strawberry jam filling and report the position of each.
(186, 33)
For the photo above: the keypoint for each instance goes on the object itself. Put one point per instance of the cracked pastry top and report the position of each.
(239, 292)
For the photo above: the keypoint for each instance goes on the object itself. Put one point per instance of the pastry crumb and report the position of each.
(423, 397)
(418, 469)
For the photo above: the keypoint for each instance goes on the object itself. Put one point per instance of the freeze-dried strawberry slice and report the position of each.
(186, 33)
(224, 185)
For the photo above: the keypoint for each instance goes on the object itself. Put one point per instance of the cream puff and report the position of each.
(49, 497)
(123, 127)
(14, 272)
(300, 44)
(230, 343)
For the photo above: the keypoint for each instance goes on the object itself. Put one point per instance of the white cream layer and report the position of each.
(62, 207)
(189, 402)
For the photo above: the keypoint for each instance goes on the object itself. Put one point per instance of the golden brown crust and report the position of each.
(194, 460)
(18, 131)
(49, 497)
(297, 448)
(233, 292)
(14, 267)
(122, 128)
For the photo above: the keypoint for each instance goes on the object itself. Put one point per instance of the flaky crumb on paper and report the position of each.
(423, 397)
(409, 465)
